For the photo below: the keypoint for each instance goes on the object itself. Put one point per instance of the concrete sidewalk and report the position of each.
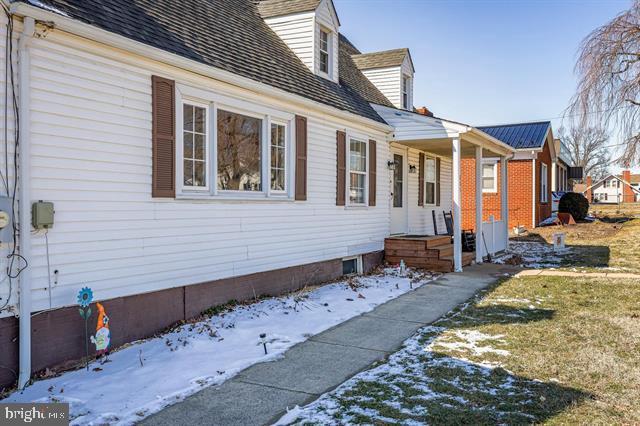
(262, 393)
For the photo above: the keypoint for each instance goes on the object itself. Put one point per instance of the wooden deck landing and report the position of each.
(423, 251)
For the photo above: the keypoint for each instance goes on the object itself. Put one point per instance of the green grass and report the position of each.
(572, 356)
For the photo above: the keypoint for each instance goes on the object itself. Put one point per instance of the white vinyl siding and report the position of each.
(325, 20)
(421, 218)
(7, 298)
(388, 82)
(297, 31)
(91, 148)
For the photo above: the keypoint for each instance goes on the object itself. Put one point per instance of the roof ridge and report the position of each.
(521, 123)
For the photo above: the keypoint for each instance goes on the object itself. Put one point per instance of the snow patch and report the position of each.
(147, 376)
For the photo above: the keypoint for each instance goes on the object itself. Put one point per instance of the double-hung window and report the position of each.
(430, 181)
(233, 149)
(544, 182)
(194, 145)
(405, 92)
(489, 177)
(278, 157)
(325, 39)
(357, 171)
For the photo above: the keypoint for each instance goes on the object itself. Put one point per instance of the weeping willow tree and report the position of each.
(608, 92)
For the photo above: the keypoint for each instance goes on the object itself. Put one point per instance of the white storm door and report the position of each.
(399, 210)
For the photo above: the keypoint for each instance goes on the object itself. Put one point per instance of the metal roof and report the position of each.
(520, 135)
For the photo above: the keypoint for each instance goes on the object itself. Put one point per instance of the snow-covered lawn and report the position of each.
(146, 376)
(533, 254)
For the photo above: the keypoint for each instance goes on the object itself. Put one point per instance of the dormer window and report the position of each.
(325, 38)
(405, 92)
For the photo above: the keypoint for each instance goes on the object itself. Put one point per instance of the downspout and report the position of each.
(24, 182)
(533, 191)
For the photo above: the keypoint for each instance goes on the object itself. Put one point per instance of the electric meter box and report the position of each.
(6, 220)
(42, 214)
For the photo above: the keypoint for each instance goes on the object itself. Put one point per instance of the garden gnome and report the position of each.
(103, 335)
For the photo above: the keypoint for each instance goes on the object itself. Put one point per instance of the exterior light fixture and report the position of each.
(391, 165)
(413, 169)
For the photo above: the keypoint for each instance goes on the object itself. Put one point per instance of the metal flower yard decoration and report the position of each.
(85, 297)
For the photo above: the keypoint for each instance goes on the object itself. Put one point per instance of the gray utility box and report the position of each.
(42, 214)
(6, 220)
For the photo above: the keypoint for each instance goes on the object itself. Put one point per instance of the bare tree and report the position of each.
(587, 149)
(608, 93)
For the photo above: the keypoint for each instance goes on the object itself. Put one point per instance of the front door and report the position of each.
(399, 216)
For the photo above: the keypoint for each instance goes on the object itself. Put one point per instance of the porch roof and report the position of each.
(434, 134)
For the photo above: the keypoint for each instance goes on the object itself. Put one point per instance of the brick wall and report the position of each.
(520, 192)
(519, 175)
(628, 196)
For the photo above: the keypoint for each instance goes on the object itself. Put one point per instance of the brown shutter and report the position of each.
(372, 173)
(421, 179)
(163, 137)
(438, 181)
(341, 142)
(301, 158)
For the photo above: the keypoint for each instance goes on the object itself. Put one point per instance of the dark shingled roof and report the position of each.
(351, 76)
(229, 35)
(387, 58)
(520, 135)
(270, 8)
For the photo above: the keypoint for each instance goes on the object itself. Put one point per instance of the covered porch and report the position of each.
(423, 191)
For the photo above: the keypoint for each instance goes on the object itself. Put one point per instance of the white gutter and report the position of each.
(24, 183)
(96, 34)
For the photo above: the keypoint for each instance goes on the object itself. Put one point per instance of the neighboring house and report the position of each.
(614, 189)
(197, 152)
(529, 176)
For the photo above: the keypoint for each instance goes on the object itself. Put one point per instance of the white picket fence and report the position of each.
(495, 237)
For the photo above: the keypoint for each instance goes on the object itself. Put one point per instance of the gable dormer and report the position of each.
(392, 72)
(310, 28)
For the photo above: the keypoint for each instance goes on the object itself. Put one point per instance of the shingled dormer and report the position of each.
(391, 71)
(309, 28)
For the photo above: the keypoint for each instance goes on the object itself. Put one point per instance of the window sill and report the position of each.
(356, 207)
(249, 198)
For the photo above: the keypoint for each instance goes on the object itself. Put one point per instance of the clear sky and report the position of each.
(483, 61)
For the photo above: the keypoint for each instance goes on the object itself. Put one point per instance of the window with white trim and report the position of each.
(194, 145)
(325, 43)
(278, 155)
(231, 148)
(357, 171)
(489, 177)
(405, 92)
(430, 181)
(544, 182)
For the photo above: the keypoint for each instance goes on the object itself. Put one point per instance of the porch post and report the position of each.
(479, 204)
(457, 217)
(504, 196)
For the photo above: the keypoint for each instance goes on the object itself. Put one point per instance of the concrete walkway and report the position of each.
(262, 393)
(553, 273)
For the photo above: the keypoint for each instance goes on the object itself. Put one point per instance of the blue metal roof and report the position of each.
(520, 135)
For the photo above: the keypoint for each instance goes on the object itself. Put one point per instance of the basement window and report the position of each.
(352, 265)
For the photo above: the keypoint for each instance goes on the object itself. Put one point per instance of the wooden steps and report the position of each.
(427, 252)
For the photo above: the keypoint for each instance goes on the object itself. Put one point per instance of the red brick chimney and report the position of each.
(424, 111)
(588, 191)
(627, 192)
